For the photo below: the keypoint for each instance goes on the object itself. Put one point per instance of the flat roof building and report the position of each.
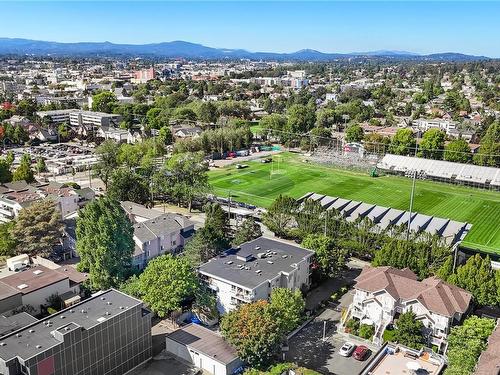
(250, 273)
(110, 333)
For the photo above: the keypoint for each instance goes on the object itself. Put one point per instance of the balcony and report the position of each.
(244, 296)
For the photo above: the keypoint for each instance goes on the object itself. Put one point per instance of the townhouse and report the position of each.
(383, 293)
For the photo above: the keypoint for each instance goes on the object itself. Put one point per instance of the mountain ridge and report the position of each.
(190, 50)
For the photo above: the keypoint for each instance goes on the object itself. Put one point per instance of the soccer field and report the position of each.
(291, 176)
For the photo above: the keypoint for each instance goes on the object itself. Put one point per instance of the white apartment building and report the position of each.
(249, 273)
(382, 293)
(445, 125)
(78, 118)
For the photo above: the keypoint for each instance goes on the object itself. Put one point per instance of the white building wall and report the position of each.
(39, 297)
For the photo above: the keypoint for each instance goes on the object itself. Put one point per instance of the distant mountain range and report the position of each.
(181, 49)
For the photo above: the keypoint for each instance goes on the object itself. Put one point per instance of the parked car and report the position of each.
(347, 349)
(361, 353)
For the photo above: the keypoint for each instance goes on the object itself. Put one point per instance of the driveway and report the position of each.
(308, 349)
(165, 364)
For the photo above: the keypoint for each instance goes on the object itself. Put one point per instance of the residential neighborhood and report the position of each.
(255, 188)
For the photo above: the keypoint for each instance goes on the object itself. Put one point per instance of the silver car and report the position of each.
(347, 349)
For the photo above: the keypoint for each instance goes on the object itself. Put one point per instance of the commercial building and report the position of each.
(78, 118)
(108, 334)
(383, 293)
(250, 272)
(203, 348)
(34, 286)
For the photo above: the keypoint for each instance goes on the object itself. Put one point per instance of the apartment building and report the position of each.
(156, 233)
(445, 125)
(18, 195)
(383, 293)
(107, 334)
(251, 271)
(78, 118)
(166, 233)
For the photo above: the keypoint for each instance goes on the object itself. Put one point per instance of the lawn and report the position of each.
(292, 176)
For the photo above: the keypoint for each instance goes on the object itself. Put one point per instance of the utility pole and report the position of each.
(229, 208)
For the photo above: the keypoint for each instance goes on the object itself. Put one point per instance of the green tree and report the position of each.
(254, 331)
(186, 177)
(477, 277)
(327, 118)
(207, 112)
(165, 135)
(288, 308)
(432, 144)
(24, 171)
(7, 242)
(104, 102)
(5, 173)
(166, 283)
(457, 151)
(40, 165)
(280, 214)
(329, 257)
(104, 242)
(409, 331)
(126, 185)
(466, 342)
(107, 154)
(354, 133)
(273, 124)
(247, 231)
(37, 228)
(490, 147)
(301, 119)
(204, 245)
(157, 118)
(403, 142)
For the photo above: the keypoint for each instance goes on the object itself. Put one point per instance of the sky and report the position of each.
(328, 26)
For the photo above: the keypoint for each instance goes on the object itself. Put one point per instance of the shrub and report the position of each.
(388, 335)
(352, 326)
(366, 331)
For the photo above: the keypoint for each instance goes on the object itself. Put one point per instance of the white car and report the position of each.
(347, 349)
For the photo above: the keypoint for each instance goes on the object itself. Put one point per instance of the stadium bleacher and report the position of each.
(452, 232)
(465, 174)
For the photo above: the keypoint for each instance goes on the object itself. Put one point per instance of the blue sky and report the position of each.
(422, 27)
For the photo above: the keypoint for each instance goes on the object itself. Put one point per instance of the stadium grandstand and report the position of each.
(452, 232)
(458, 173)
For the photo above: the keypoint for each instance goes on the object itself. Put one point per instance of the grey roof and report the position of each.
(283, 259)
(165, 223)
(23, 343)
(384, 217)
(205, 341)
(132, 208)
(9, 324)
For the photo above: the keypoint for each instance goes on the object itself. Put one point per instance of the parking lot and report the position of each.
(308, 349)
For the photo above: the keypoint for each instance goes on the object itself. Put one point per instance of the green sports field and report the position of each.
(291, 176)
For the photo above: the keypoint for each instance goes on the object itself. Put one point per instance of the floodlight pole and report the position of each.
(411, 204)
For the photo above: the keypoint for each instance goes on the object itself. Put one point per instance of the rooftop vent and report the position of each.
(230, 262)
(18, 335)
(2, 344)
(71, 311)
(121, 307)
(103, 298)
(261, 255)
(22, 286)
(108, 303)
(31, 331)
(37, 272)
(270, 262)
(62, 317)
(101, 319)
(108, 313)
(284, 256)
(258, 271)
(38, 346)
(83, 311)
(257, 247)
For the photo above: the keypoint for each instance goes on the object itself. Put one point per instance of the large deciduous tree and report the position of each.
(104, 102)
(108, 160)
(24, 171)
(166, 283)
(104, 242)
(432, 144)
(288, 308)
(37, 228)
(403, 142)
(330, 258)
(254, 332)
(247, 231)
(128, 186)
(457, 151)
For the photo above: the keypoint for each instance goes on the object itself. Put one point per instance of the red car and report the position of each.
(361, 353)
